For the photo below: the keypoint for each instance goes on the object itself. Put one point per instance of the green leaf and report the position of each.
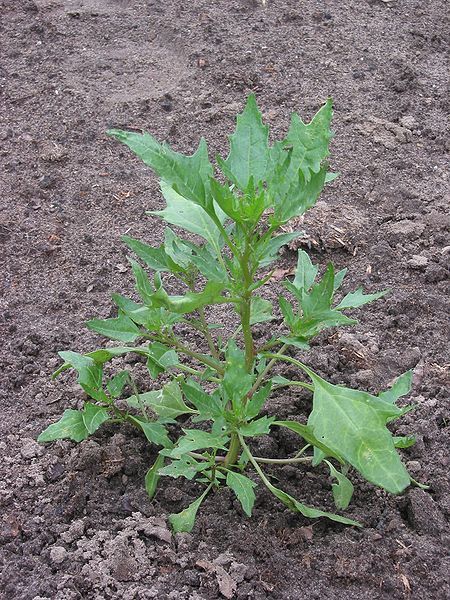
(259, 427)
(353, 424)
(315, 305)
(310, 142)
(191, 217)
(307, 434)
(339, 278)
(331, 177)
(185, 466)
(308, 511)
(194, 300)
(187, 174)
(208, 265)
(401, 387)
(160, 358)
(167, 402)
(122, 328)
(342, 490)
(236, 380)
(116, 384)
(184, 520)
(305, 273)
(94, 416)
(156, 433)
(89, 374)
(256, 402)
(405, 441)
(179, 252)
(155, 258)
(355, 299)
(266, 251)
(249, 151)
(294, 197)
(196, 439)
(260, 310)
(71, 425)
(242, 486)
(209, 406)
(296, 341)
(143, 286)
(153, 319)
(152, 476)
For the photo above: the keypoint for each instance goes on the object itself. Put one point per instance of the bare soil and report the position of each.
(75, 519)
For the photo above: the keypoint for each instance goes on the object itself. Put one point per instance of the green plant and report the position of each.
(224, 388)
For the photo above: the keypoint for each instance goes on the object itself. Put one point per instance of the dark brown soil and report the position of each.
(75, 520)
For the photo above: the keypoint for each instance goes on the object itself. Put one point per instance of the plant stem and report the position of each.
(295, 362)
(283, 461)
(303, 384)
(254, 463)
(233, 450)
(207, 334)
(201, 457)
(216, 365)
(195, 372)
(264, 372)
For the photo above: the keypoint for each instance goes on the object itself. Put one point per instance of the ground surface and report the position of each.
(75, 520)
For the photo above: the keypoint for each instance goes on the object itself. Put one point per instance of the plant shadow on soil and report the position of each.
(76, 522)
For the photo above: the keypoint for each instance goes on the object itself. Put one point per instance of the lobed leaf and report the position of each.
(90, 373)
(188, 175)
(357, 298)
(116, 384)
(249, 150)
(185, 466)
(191, 217)
(260, 310)
(155, 433)
(305, 273)
(196, 439)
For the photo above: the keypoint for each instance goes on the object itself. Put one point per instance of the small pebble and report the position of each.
(58, 554)
(418, 262)
(409, 122)
(30, 448)
(414, 467)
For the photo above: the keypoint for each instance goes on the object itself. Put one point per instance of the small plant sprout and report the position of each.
(204, 418)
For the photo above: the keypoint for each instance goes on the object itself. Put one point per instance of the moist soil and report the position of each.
(75, 519)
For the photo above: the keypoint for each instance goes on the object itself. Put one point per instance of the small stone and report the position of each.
(414, 467)
(46, 182)
(30, 448)
(75, 531)
(58, 554)
(409, 122)
(418, 262)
